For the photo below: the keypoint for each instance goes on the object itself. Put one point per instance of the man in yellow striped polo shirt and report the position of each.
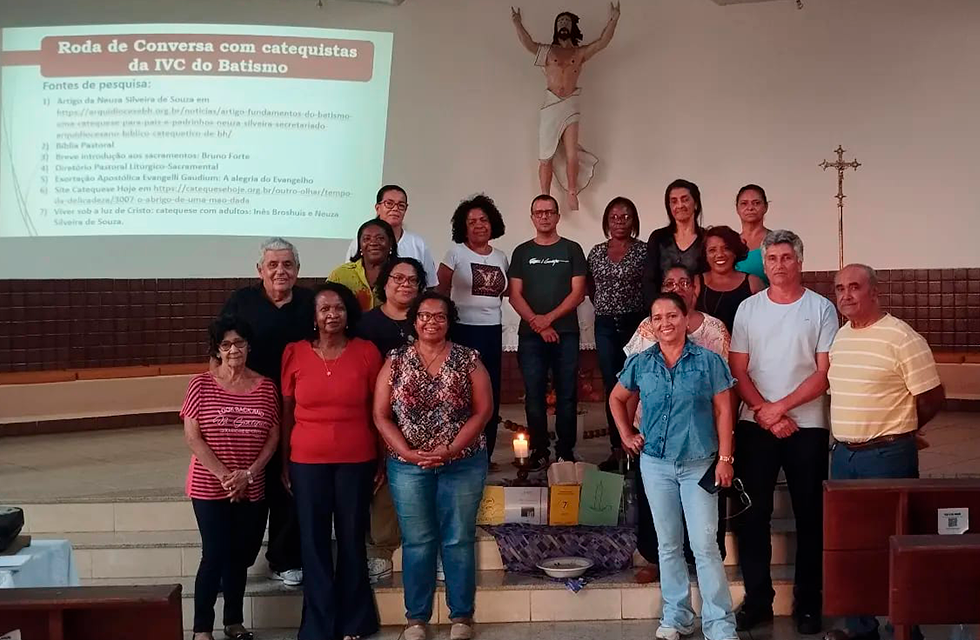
(883, 388)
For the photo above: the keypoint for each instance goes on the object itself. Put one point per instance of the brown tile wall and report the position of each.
(66, 324)
(941, 304)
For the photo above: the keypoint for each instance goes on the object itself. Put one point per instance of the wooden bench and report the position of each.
(860, 517)
(93, 613)
(933, 580)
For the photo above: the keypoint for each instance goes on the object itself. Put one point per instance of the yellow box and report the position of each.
(491, 510)
(563, 508)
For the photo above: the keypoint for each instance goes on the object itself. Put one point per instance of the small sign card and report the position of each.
(953, 521)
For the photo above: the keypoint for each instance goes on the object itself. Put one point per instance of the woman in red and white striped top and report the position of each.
(231, 424)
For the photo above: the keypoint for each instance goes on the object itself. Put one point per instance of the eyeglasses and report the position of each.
(399, 280)
(544, 213)
(672, 285)
(227, 345)
(394, 204)
(438, 318)
(620, 217)
(743, 497)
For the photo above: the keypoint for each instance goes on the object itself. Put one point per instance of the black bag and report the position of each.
(11, 522)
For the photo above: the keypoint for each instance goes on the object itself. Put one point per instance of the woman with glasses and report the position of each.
(391, 205)
(685, 441)
(376, 246)
(231, 424)
(474, 275)
(332, 463)
(432, 401)
(401, 281)
(615, 284)
(705, 331)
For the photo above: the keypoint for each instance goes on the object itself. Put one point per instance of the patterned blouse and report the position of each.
(618, 285)
(431, 411)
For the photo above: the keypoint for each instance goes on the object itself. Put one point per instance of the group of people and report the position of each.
(366, 409)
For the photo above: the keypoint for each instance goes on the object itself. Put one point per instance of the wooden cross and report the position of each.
(840, 165)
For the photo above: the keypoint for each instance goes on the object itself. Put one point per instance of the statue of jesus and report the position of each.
(562, 61)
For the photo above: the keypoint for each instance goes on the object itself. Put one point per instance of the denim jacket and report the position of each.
(678, 420)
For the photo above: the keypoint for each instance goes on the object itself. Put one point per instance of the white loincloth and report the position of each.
(556, 114)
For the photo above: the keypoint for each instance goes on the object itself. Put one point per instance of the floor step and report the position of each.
(174, 514)
(147, 554)
(500, 597)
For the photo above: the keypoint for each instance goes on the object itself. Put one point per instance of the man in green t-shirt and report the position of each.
(547, 283)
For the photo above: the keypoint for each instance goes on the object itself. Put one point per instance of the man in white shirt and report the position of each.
(779, 355)
(391, 206)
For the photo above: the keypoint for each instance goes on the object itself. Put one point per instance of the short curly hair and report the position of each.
(451, 312)
(221, 326)
(351, 305)
(485, 204)
(730, 237)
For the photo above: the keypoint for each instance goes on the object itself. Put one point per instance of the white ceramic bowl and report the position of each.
(567, 567)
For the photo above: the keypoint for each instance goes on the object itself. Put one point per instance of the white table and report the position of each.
(46, 563)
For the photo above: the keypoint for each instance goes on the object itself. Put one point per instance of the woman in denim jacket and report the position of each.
(686, 426)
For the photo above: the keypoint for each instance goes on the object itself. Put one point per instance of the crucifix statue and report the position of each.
(558, 128)
(840, 165)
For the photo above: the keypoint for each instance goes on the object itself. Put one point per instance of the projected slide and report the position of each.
(190, 130)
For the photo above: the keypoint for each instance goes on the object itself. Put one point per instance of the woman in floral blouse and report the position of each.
(432, 400)
(616, 289)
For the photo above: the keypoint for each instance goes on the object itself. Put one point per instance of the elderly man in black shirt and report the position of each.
(279, 312)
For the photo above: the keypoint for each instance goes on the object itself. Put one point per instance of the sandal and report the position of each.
(238, 632)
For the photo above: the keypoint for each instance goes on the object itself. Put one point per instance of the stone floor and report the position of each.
(781, 629)
(150, 463)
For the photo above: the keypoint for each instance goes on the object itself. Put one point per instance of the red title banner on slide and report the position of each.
(202, 54)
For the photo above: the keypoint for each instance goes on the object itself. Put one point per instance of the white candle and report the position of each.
(520, 447)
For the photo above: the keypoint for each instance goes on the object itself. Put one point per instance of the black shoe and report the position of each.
(809, 624)
(539, 461)
(748, 617)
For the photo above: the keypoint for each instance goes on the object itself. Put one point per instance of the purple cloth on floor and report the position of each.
(524, 546)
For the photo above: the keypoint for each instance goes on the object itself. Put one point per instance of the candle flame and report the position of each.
(520, 436)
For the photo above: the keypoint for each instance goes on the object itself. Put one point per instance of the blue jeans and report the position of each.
(612, 332)
(488, 340)
(899, 459)
(536, 357)
(675, 496)
(437, 513)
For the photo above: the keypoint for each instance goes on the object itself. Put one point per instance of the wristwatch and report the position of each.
(728, 459)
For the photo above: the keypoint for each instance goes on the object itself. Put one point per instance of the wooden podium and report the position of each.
(93, 613)
(860, 518)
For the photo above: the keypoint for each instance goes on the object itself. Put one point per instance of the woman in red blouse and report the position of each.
(432, 401)
(330, 462)
(231, 424)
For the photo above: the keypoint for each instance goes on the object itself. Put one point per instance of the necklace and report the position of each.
(323, 358)
(427, 364)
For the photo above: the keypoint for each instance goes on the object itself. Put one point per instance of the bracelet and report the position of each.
(248, 474)
(728, 459)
